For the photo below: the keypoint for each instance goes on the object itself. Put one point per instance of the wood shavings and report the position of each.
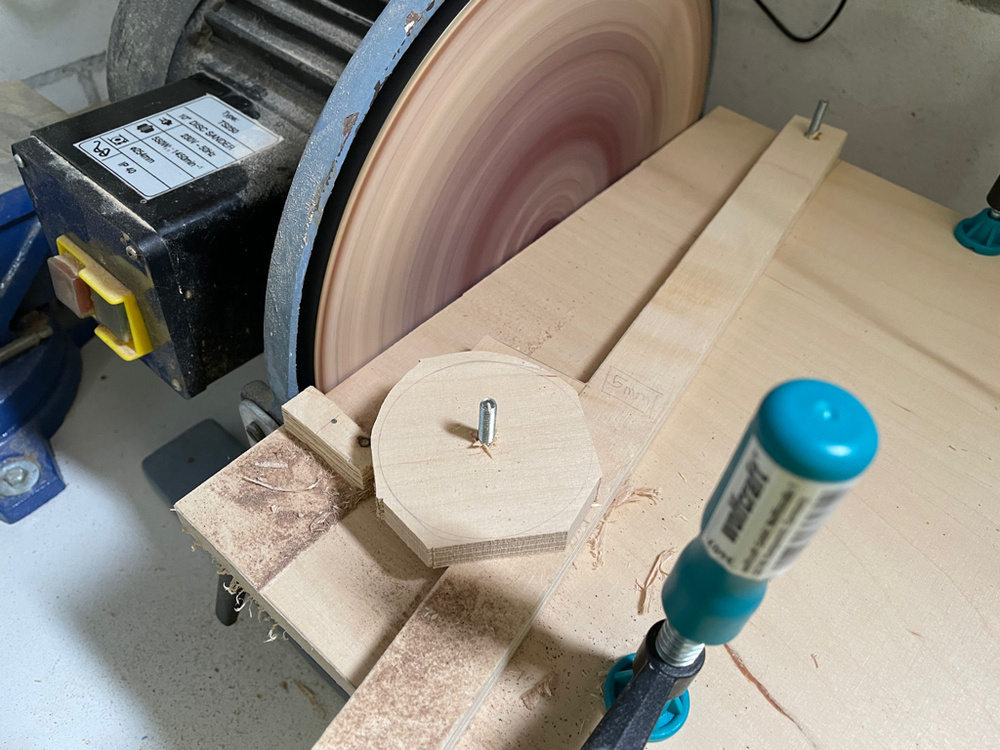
(541, 690)
(267, 486)
(322, 521)
(271, 635)
(342, 504)
(474, 437)
(655, 572)
(629, 494)
(270, 464)
(486, 450)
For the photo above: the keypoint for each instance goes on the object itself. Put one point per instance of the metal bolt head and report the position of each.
(18, 161)
(18, 476)
(132, 252)
(487, 421)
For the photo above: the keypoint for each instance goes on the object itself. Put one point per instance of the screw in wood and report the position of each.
(817, 120)
(487, 421)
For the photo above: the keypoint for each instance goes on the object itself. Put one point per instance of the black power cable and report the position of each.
(795, 37)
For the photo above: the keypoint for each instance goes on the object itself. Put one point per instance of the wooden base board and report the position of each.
(873, 293)
(375, 582)
(415, 697)
(884, 634)
(453, 499)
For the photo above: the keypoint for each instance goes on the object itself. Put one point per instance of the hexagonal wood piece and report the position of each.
(452, 499)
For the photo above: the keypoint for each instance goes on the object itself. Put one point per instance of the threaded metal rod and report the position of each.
(817, 120)
(675, 649)
(487, 421)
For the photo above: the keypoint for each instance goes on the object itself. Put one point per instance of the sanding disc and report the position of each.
(520, 113)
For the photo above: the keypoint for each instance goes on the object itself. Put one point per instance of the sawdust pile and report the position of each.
(341, 502)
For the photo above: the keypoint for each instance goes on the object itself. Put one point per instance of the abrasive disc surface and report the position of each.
(522, 112)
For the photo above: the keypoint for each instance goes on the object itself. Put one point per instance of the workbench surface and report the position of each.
(885, 634)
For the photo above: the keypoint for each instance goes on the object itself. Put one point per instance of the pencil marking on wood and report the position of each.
(625, 388)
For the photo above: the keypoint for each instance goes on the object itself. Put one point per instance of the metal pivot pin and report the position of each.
(817, 121)
(487, 421)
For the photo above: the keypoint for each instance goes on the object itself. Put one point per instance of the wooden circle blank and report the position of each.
(521, 112)
(452, 500)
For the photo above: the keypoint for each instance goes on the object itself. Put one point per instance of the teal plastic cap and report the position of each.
(816, 430)
(980, 233)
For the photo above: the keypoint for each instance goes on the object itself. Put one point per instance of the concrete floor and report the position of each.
(108, 637)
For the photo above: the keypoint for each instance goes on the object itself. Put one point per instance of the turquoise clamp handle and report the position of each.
(802, 451)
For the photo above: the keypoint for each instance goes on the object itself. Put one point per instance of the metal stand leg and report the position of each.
(184, 463)
(226, 603)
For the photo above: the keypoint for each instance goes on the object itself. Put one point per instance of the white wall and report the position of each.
(38, 35)
(916, 83)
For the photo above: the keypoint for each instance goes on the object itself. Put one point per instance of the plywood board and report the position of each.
(323, 426)
(605, 265)
(884, 634)
(490, 344)
(414, 697)
(454, 497)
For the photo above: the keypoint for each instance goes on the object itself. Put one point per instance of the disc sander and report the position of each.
(517, 114)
